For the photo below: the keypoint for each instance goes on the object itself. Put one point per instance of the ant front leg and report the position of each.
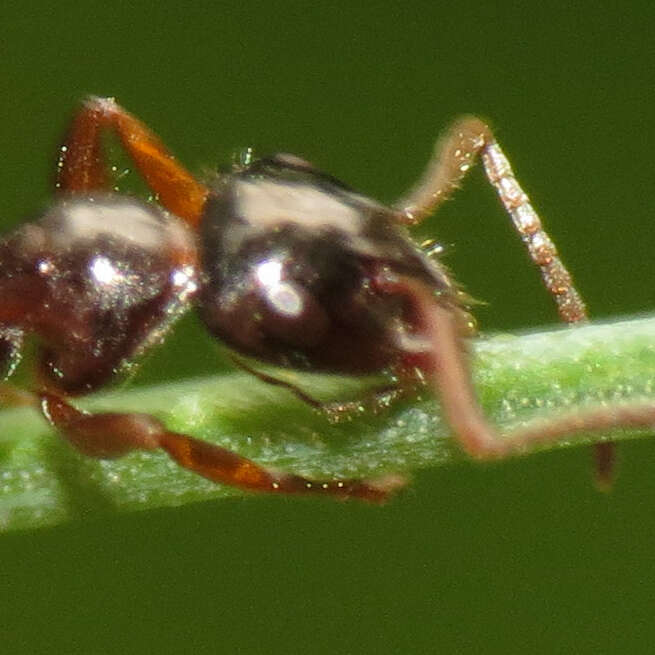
(445, 363)
(375, 400)
(454, 156)
(109, 435)
(81, 166)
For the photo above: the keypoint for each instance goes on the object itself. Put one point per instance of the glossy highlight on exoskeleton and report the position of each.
(285, 264)
(98, 278)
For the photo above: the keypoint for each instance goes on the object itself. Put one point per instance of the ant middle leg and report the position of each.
(110, 434)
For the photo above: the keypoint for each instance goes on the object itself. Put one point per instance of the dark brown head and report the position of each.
(291, 257)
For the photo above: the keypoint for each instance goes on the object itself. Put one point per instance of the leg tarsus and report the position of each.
(110, 434)
(224, 466)
(373, 401)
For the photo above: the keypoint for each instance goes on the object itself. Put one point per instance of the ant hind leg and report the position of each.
(109, 435)
(81, 164)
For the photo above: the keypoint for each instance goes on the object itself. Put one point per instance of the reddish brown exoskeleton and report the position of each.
(285, 264)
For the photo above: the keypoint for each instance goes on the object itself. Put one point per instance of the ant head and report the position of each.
(289, 257)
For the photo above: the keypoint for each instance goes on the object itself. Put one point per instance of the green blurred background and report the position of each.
(517, 557)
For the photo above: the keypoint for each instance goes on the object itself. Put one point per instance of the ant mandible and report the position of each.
(285, 264)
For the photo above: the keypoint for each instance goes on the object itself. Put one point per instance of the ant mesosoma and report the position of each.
(285, 264)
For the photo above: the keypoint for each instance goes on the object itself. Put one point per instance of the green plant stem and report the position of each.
(43, 481)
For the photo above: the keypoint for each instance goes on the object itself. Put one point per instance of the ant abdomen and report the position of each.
(96, 279)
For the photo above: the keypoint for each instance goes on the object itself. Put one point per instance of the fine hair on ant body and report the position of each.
(285, 265)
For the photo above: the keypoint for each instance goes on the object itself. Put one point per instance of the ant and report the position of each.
(286, 265)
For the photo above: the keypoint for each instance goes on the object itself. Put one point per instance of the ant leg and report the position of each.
(277, 382)
(447, 366)
(81, 166)
(454, 156)
(108, 435)
(375, 400)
